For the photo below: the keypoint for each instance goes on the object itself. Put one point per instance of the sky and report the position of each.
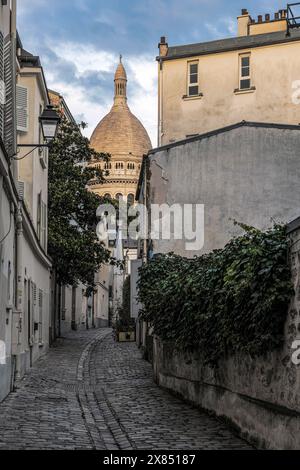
(79, 43)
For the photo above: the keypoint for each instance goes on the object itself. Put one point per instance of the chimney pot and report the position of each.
(283, 14)
(267, 17)
(245, 11)
(276, 16)
(163, 40)
(260, 18)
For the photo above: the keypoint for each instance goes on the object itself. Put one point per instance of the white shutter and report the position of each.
(22, 108)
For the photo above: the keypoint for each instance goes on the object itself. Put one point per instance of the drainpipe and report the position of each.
(19, 319)
(160, 103)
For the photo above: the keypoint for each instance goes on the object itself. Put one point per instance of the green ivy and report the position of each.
(233, 300)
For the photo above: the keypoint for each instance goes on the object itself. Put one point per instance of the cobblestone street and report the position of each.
(91, 393)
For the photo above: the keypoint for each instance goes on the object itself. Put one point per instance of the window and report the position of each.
(40, 317)
(42, 221)
(107, 196)
(193, 79)
(8, 281)
(22, 108)
(130, 199)
(107, 166)
(119, 197)
(245, 73)
(119, 166)
(63, 303)
(131, 166)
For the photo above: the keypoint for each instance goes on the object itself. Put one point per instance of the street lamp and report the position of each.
(49, 121)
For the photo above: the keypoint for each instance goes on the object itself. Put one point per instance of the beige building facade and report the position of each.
(253, 77)
(34, 266)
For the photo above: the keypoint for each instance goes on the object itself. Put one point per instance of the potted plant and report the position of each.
(124, 325)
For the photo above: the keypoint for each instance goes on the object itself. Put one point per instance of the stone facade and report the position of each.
(123, 136)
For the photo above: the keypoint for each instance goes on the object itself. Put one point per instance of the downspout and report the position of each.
(160, 103)
(20, 286)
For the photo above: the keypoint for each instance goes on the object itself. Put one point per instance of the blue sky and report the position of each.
(79, 42)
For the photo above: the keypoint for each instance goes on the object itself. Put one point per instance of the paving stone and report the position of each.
(89, 392)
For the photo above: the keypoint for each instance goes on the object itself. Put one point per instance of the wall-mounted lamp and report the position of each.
(49, 121)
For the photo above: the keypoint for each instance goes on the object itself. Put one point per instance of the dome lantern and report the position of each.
(124, 137)
(120, 84)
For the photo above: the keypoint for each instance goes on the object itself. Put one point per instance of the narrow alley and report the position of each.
(92, 393)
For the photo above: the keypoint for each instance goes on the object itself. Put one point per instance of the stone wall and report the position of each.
(260, 397)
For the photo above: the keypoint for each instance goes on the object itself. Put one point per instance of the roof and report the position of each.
(120, 133)
(222, 130)
(29, 60)
(120, 72)
(62, 102)
(230, 44)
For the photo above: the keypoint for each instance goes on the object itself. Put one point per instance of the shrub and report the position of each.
(233, 300)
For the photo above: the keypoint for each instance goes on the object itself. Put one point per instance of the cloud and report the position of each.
(84, 76)
(222, 28)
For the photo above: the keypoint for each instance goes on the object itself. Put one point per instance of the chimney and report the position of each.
(163, 47)
(243, 23)
(276, 16)
(282, 14)
(267, 17)
(259, 18)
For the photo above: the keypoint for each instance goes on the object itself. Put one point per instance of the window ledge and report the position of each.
(194, 97)
(238, 91)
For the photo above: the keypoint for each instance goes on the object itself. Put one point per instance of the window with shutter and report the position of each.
(40, 316)
(10, 105)
(44, 226)
(39, 214)
(22, 108)
(2, 86)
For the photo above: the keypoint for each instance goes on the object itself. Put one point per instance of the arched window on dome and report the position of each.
(130, 199)
(107, 196)
(119, 197)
